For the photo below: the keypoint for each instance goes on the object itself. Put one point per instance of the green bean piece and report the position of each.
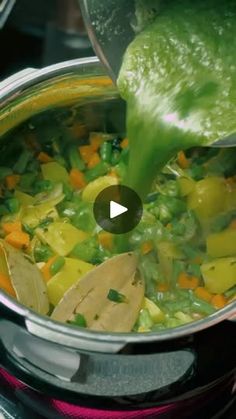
(26, 182)
(3, 210)
(56, 266)
(13, 205)
(201, 306)
(106, 151)
(100, 169)
(121, 170)
(75, 159)
(115, 157)
(21, 164)
(29, 230)
(5, 171)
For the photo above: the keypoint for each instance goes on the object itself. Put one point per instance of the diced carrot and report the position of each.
(78, 130)
(105, 239)
(218, 301)
(233, 224)
(18, 239)
(11, 181)
(197, 260)
(44, 157)
(77, 179)
(201, 292)
(113, 173)
(86, 152)
(10, 227)
(31, 141)
(96, 141)
(230, 181)
(94, 160)
(46, 268)
(5, 284)
(163, 287)
(187, 281)
(182, 160)
(124, 143)
(147, 247)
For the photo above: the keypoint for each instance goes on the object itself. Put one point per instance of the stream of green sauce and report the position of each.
(179, 80)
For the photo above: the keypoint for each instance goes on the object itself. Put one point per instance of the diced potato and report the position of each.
(186, 185)
(24, 198)
(65, 278)
(32, 215)
(155, 312)
(208, 198)
(61, 237)
(219, 275)
(92, 190)
(55, 172)
(222, 244)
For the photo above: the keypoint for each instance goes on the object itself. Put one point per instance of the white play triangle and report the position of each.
(116, 209)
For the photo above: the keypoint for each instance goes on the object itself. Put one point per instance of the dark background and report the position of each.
(42, 32)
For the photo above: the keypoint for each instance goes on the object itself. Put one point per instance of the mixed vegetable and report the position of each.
(185, 242)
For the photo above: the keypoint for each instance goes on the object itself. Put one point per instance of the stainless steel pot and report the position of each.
(36, 345)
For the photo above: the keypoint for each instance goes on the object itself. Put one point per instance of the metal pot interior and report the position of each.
(58, 94)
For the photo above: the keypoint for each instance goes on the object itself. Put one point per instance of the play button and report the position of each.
(118, 209)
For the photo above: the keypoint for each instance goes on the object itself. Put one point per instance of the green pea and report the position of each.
(86, 250)
(56, 266)
(42, 253)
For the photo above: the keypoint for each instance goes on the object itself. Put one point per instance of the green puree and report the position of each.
(179, 80)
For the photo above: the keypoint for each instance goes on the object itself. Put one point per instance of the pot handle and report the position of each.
(32, 358)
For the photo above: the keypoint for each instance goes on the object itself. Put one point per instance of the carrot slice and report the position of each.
(124, 143)
(233, 224)
(105, 239)
(201, 292)
(86, 152)
(96, 141)
(46, 268)
(186, 281)
(44, 157)
(12, 181)
(163, 287)
(94, 160)
(18, 239)
(5, 284)
(77, 179)
(147, 247)
(218, 301)
(183, 162)
(13, 226)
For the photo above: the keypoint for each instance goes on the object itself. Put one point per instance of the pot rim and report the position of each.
(45, 327)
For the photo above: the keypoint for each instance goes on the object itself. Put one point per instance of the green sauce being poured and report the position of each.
(179, 80)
